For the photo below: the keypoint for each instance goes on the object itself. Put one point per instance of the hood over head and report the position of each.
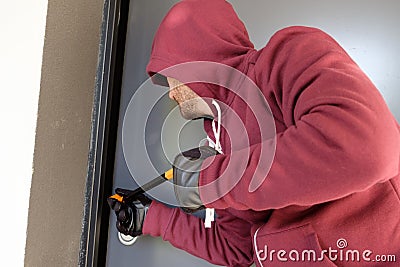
(199, 30)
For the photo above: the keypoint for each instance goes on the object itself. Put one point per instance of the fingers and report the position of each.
(117, 207)
(123, 192)
(193, 153)
(143, 199)
(130, 214)
(111, 202)
(122, 228)
(121, 211)
(202, 152)
(122, 216)
(114, 204)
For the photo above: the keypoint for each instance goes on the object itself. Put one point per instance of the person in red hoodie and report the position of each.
(302, 171)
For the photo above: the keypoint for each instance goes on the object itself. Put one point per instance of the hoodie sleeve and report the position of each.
(226, 243)
(340, 138)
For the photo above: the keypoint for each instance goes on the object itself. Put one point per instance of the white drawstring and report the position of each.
(217, 146)
(256, 247)
(217, 130)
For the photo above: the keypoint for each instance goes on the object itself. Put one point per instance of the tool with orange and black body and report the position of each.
(144, 188)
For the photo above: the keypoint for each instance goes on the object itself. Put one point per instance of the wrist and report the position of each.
(157, 219)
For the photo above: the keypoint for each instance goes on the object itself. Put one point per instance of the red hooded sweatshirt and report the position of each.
(330, 195)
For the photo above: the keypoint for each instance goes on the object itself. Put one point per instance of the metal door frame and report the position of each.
(94, 237)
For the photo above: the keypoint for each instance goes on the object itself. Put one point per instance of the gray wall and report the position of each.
(367, 29)
(63, 131)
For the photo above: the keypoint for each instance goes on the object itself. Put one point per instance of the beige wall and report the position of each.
(63, 132)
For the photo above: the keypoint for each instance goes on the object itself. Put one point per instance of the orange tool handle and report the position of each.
(168, 175)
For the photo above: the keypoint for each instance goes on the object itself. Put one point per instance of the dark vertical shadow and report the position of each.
(105, 116)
